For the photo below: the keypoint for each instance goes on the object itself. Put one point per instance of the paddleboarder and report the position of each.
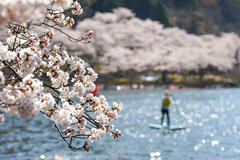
(165, 108)
(166, 103)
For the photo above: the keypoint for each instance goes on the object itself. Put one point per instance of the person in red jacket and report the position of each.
(95, 92)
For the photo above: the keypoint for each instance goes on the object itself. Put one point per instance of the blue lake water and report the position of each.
(212, 118)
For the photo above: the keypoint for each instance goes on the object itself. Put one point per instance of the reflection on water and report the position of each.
(211, 116)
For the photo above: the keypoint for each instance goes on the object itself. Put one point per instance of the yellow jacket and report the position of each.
(166, 102)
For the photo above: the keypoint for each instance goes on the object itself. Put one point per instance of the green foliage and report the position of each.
(193, 15)
(190, 4)
(106, 5)
(153, 9)
(230, 10)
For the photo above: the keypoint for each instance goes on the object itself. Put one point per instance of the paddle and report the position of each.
(178, 109)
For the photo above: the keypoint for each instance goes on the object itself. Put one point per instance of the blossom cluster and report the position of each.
(37, 76)
(57, 10)
(21, 10)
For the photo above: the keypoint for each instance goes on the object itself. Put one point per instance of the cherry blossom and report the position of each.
(39, 76)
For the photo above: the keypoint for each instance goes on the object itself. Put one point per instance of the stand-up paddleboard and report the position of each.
(172, 128)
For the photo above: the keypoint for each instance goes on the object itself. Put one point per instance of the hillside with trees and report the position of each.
(195, 16)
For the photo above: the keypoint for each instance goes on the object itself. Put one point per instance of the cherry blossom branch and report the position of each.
(26, 59)
(69, 144)
(14, 72)
(75, 40)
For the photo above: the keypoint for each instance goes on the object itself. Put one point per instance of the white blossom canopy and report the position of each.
(123, 42)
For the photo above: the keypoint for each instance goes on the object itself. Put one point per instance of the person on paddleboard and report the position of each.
(165, 108)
